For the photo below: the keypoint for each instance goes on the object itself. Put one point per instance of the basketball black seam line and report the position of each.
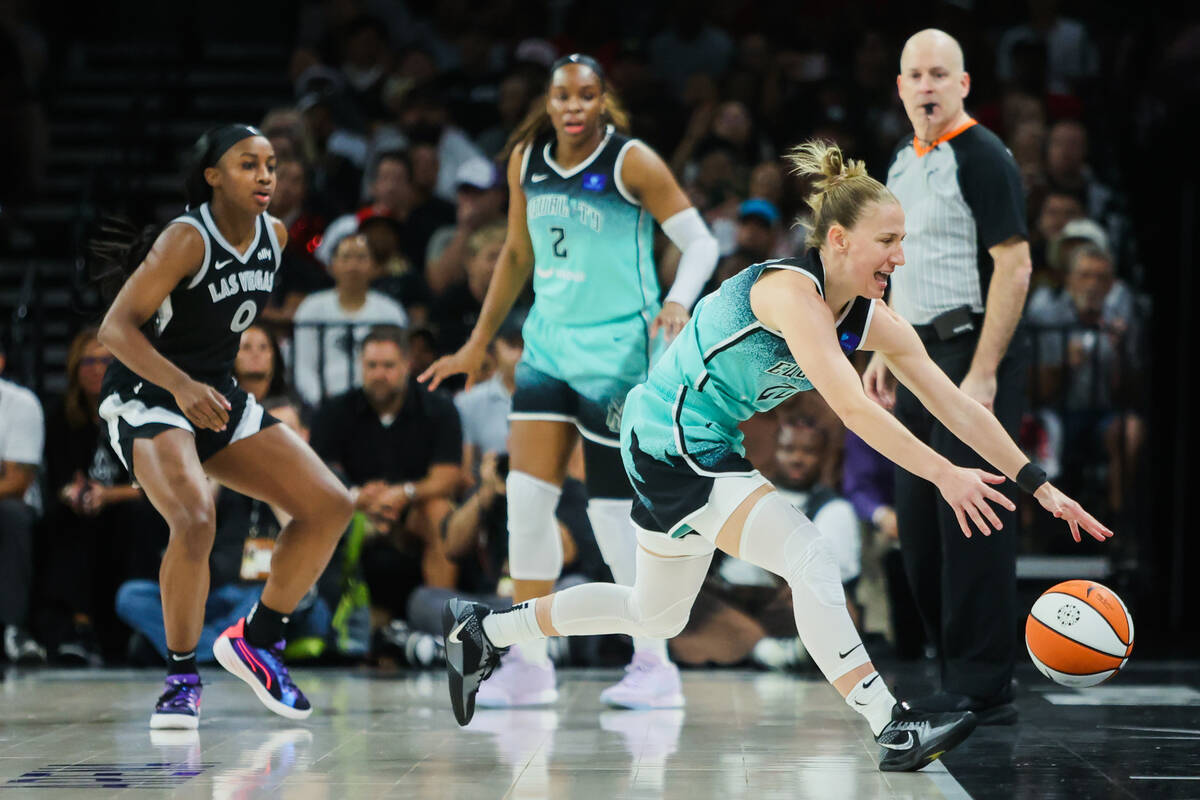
(1128, 616)
(1081, 644)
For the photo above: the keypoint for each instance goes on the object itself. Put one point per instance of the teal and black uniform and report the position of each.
(595, 292)
(680, 428)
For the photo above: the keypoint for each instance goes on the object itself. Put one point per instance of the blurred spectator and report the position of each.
(21, 442)
(339, 150)
(480, 198)
(457, 309)
(1027, 142)
(331, 324)
(425, 118)
(391, 196)
(1067, 168)
(400, 447)
(24, 132)
(391, 271)
(689, 45)
(259, 364)
(1059, 207)
(514, 96)
(238, 565)
(758, 230)
(97, 524)
(484, 408)
(422, 350)
(365, 64)
(1058, 253)
(1070, 55)
(288, 134)
(299, 274)
(1092, 361)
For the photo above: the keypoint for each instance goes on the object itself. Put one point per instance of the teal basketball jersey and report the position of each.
(726, 365)
(593, 257)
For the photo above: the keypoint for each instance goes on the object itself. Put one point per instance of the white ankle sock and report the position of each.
(515, 625)
(536, 651)
(657, 647)
(874, 701)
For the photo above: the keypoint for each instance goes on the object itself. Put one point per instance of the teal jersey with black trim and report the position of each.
(593, 256)
(726, 365)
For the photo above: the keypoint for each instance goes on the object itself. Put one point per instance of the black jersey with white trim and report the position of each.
(199, 325)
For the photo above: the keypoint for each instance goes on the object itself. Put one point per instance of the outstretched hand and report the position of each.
(468, 360)
(879, 383)
(1063, 507)
(968, 492)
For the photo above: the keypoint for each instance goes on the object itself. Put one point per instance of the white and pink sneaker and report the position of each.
(518, 682)
(649, 682)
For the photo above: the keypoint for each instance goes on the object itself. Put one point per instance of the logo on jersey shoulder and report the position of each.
(220, 265)
(849, 341)
(264, 253)
(781, 392)
(594, 181)
(538, 177)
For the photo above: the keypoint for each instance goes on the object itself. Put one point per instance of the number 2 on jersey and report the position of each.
(560, 249)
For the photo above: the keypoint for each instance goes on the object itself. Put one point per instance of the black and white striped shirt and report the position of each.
(961, 196)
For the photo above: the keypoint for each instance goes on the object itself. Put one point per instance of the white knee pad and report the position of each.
(534, 544)
(806, 558)
(615, 536)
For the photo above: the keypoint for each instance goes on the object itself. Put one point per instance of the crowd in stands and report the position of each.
(388, 182)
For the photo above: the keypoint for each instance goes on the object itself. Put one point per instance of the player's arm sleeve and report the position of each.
(699, 250)
(991, 185)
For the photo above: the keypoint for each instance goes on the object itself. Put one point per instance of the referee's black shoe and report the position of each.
(915, 738)
(470, 656)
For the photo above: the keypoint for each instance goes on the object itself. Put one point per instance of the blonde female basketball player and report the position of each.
(583, 198)
(775, 329)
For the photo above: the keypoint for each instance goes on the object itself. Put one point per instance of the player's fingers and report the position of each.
(1093, 527)
(654, 326)
(973, 513)
(999, 499)
(1074, 525)
(224, 401)
(988, 513)
(218, 409)
(962, 521)
(988, 477)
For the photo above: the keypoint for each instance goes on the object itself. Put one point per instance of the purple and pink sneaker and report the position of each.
(263, 670)
(179, 706)
(649, 682)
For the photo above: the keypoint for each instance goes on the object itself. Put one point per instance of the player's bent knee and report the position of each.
(812, 561)
(193, 529)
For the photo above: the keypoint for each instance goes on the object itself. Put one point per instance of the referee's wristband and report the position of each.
(1031, 477)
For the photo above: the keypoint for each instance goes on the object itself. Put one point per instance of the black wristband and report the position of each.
(1031, 477)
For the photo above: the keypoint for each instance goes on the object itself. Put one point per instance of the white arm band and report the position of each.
(700, 251)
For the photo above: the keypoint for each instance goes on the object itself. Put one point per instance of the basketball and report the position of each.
(1079, 633)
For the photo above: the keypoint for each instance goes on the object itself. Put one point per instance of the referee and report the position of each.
(963, 289)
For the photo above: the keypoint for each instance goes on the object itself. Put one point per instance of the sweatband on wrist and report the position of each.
(1031, 477)
(699, 252)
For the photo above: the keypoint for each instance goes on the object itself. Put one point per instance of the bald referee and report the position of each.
(963, 288)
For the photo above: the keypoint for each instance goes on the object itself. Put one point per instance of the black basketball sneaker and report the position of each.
(470, 656)
(915, 738)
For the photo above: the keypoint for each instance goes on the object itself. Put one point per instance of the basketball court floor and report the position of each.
(744, 734)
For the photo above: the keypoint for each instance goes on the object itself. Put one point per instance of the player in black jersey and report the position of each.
(174, 414)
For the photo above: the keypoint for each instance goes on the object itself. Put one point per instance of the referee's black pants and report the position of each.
(965, 589)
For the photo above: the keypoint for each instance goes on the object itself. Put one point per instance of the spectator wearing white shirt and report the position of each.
(484, 408)
(22, 435)
(326, 359)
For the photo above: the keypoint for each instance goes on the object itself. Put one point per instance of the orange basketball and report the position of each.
(1079, 633)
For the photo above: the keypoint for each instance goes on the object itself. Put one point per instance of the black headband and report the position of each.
(580, 58)
(219, 140)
